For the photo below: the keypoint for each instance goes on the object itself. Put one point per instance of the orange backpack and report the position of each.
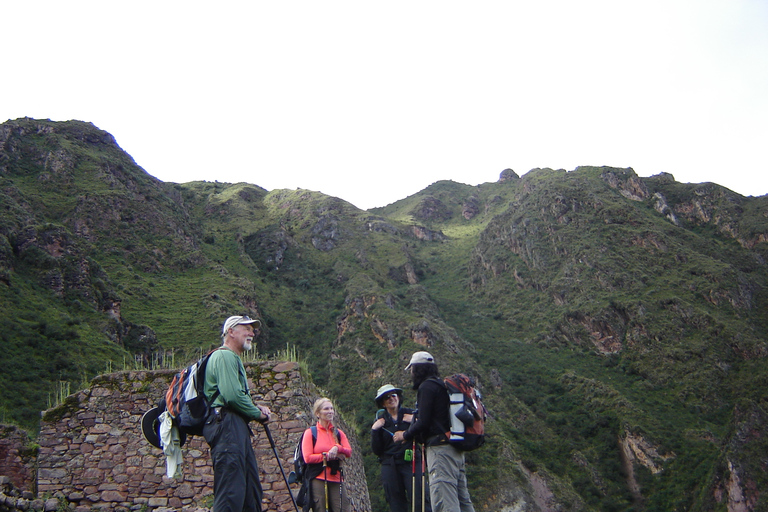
(468, 414)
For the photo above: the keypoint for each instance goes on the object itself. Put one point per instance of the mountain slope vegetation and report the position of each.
(616, 324)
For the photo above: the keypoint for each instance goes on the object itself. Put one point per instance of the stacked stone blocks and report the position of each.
(93, 456)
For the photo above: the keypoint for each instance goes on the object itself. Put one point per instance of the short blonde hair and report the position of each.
(319, 405)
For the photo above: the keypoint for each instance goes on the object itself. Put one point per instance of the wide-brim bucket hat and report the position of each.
(385, 390)
(150, 427)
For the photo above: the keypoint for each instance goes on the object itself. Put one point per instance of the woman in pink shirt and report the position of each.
(325, 455)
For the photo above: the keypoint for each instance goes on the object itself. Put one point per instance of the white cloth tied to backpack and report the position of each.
(169, 440)
(190, 390)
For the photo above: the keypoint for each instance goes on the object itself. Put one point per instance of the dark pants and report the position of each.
(236, 485)
(397, 480)
(338, 501)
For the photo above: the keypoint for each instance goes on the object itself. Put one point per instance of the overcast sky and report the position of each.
(371, 102)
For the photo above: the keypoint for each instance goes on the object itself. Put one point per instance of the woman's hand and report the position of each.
(333, 453)
(398, 437)
(378, 424)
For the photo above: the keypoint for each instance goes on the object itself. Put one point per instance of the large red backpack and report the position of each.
(468, 414)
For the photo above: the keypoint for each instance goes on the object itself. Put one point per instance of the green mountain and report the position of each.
(616, 325)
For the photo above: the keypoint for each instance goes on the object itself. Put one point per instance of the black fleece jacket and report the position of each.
(381, 440)
(432, 414)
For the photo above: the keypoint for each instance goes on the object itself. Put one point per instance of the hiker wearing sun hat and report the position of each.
(447, 475)
(236, 485)
(398, 476)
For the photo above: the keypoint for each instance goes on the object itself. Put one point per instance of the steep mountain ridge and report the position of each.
(615, 324)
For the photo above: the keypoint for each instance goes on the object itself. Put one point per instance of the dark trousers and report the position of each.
(397, 480)
(236, 485)
(338, 501)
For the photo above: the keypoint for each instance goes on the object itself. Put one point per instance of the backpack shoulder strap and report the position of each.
(313, 428)
(440, 382)
(200, 382)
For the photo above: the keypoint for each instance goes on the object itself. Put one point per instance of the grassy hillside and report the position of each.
(616, 324)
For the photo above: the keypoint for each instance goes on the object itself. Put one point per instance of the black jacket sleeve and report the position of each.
(378, 441)
(382, 443)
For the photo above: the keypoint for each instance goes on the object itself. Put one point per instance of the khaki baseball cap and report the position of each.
(238, 320)
(419, 358)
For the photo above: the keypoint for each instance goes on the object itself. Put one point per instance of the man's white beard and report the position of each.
(248, 345)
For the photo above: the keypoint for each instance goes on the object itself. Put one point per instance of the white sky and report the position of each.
(371, 102)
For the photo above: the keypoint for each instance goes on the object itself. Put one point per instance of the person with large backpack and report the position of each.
(447, 475)
(236, 485)
(401, 465)
(324, 448)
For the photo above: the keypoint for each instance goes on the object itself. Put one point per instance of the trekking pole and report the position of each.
(423, 482)
(413, 476)
(325, 469)
(274, 449)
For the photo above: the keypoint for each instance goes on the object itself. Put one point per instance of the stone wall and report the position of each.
(92, 453)
(17, 455)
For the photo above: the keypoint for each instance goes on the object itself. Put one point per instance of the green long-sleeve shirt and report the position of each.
(225, 372)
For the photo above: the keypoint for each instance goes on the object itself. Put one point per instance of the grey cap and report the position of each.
(419, 358)
(238, 320)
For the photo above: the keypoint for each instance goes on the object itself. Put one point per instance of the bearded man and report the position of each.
(236, 485)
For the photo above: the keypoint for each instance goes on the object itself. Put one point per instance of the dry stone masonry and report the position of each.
(17, 455)
(92, 455)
